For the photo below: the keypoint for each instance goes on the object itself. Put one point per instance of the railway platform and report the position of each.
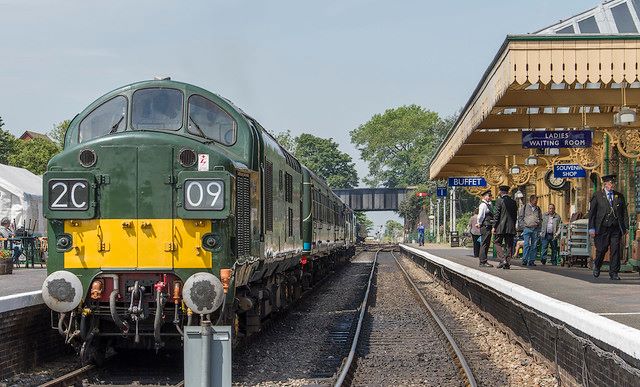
(615, 300)
(22, 280)
(587, 328)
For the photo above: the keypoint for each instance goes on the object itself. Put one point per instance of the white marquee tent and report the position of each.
(21, 198)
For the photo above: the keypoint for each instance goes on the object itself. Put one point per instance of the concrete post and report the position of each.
(205, 378)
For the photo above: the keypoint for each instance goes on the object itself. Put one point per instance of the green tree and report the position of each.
(398, 144)
(287, 141)
(322, 156)
(58, 132)
(34, 154)
(8, 144)
(413, 204)
(364, 225)
(393, 230)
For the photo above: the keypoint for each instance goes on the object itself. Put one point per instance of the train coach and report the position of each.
(169, 206)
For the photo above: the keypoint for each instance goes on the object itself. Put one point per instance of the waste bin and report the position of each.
(455, 239)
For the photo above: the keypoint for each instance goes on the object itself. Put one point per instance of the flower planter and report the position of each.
(6, 266)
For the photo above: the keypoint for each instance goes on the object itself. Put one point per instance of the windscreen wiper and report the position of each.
(197, 127)
(114, 128)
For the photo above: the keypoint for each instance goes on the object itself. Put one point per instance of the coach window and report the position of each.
(110, 117)
(157, 109)
(208, 120)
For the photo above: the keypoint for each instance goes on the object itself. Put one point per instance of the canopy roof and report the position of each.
(20, 181)
(543, 82)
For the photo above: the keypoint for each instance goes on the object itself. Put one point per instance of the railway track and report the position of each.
(306, 346)
(71, 378)
(123, 370)
(127, 373)
(398, 344)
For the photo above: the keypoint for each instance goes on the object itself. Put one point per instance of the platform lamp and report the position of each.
(532, 160)
(515, 169)
(626, 115)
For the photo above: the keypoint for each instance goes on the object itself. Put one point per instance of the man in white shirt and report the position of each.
(485, 223)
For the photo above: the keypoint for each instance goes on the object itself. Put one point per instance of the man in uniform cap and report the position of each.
(608, 222)
(504, 229)
(485, 223)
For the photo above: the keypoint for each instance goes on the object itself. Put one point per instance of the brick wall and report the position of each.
(579, 359)
(26, 339)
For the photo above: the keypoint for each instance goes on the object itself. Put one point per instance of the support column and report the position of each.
(444, 218)
(438, 220)
(453, 209)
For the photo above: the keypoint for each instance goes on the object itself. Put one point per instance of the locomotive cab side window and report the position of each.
(110, 117)
(208, 120)
(156, 109)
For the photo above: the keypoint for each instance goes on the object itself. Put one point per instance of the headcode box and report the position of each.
(568, 171)
(473, 181)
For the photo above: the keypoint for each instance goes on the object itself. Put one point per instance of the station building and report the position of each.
(581, 74)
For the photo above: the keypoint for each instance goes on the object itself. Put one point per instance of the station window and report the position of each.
(110, 117)
(589, 26)
(636, 5)
(623, 19)
(566, 30)
(208, 120)
(158, 109)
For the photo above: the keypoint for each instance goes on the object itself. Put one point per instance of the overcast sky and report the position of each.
(320, 67)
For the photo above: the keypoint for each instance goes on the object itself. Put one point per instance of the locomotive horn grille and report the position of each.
(87, 158)
(187, 157)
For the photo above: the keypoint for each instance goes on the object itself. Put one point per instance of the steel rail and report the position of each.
(348, 364)
(459, 355)
(70, 378)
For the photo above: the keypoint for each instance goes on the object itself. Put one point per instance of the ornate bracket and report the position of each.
(627, 140)
(589, 158)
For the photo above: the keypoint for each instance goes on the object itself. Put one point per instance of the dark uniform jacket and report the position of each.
(506, 212)
(601, 213)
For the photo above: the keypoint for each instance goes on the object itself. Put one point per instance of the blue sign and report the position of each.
(474, 181)
(441, 192)
(557, 139)
(568, 171)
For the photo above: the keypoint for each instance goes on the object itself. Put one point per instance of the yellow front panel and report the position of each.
(155, 243)
(137, 243)
(101, 243)
(188, 240)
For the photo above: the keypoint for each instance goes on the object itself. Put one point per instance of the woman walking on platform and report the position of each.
(474, 230)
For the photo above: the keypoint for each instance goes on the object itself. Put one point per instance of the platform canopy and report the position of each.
(545, 83)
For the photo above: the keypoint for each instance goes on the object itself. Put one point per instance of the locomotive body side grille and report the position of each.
(268, 191)
(243, 216)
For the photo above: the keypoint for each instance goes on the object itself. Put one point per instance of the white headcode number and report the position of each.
(204, 195)
(200, 191)
(73, 195)
(69, 194)
(215, 195)
(56, 203)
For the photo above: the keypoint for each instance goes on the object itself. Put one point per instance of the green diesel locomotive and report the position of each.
(169, 206)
